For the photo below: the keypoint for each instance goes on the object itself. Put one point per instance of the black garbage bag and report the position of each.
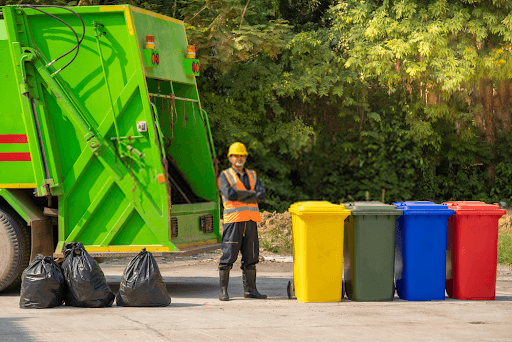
(86, 284)
(142, 284)
(42, 284)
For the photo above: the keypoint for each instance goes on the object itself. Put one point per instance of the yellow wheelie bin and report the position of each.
(318, 250)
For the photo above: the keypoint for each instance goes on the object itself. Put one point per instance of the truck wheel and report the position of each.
(14, 248)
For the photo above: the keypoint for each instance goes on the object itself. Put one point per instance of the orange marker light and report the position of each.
(150, 42)
(191, 51)
(161, 178)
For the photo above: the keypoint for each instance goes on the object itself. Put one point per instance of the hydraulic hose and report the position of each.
(78, 41)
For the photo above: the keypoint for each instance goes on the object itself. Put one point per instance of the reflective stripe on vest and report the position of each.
(240, 209)
(235, 211)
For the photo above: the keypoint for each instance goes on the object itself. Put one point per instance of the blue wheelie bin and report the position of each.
(420, 250)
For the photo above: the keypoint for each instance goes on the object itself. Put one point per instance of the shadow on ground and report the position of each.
(208, 287)
(15, 330)
(11, 293)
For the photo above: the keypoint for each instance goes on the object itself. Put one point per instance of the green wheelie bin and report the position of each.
(369, 251)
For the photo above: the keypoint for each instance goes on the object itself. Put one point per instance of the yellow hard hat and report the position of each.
(237, 148)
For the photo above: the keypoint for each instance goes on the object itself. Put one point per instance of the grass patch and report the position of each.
(275, 232)
(276, 241)
(504, 249)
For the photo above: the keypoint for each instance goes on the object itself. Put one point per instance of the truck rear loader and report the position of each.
(103, 139)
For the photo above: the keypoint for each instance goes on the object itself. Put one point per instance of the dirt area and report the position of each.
(505, 223)
(275, 232)
(275, 221)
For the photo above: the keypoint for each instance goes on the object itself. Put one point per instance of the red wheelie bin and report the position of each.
(472, 250)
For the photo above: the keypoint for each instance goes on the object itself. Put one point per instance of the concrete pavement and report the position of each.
(196, 314)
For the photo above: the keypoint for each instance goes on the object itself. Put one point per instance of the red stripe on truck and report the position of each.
(13, 139)
(20, 156)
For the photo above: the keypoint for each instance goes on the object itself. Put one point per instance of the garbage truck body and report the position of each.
(103, 139)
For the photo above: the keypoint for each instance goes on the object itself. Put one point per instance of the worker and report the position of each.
(241, 191)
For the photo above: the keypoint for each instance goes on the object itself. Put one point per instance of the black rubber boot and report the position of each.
(224, 281)
(249, 278)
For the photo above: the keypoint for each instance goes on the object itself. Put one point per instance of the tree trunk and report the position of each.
(486, 95)
(503, 105)
(432, 98)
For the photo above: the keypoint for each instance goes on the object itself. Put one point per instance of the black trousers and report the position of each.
(240, 236)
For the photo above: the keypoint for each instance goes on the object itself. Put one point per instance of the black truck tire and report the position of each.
(14, 249)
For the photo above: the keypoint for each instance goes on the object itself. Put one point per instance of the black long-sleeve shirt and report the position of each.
(256, 196)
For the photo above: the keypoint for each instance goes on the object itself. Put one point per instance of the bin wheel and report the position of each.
(447, 292)
(14, 249)
(289, 290)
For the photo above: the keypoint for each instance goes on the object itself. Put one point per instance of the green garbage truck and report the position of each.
(103, 139)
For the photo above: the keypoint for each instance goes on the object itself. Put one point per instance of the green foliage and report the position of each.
(304, 15)
(248, 112)
(333, 119)
(372, 153)
(332, 98)
(456, 168)
(435, 47)
(501, 188)
(231, 31)
(312, 69)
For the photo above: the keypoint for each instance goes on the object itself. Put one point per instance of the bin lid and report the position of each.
(318, 207)
(372, 208)
(424, 208)
(475, 207)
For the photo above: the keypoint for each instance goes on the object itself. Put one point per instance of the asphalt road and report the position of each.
(196, 314)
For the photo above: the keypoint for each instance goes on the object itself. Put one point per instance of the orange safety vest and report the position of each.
(235, 211)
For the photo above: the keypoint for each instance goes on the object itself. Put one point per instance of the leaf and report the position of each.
(374, 116)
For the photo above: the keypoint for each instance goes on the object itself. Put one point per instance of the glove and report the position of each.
(260, 196)
(244, 195)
